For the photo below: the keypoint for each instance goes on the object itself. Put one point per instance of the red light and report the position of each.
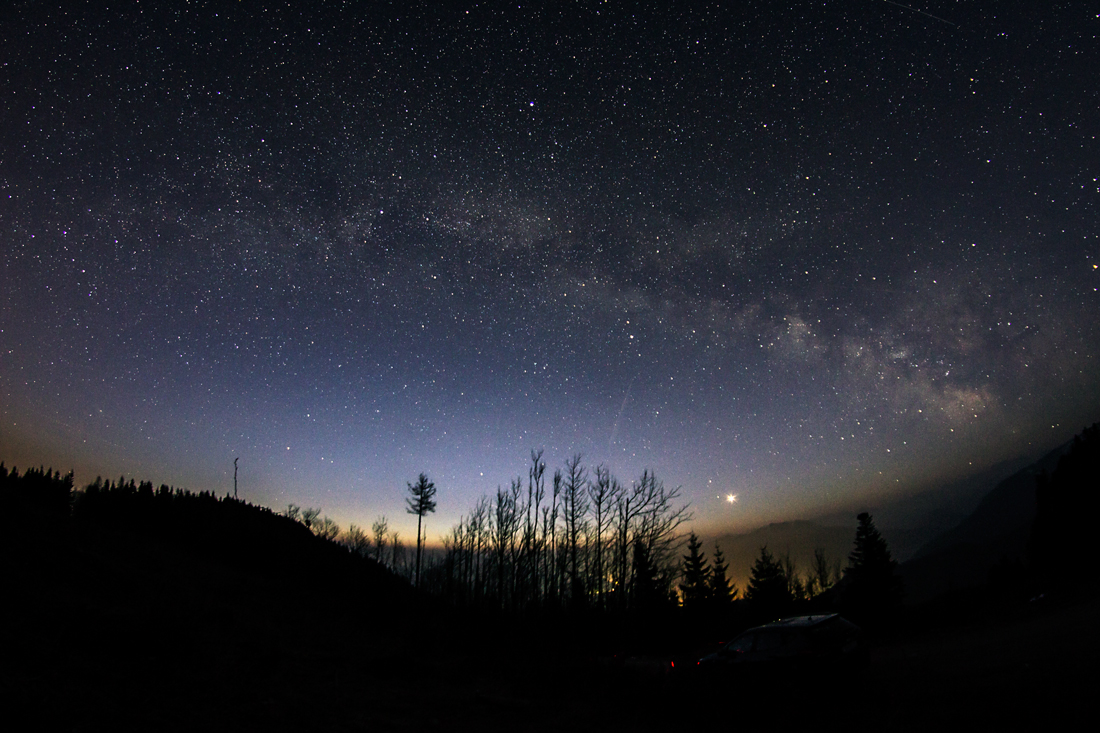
(673, 664)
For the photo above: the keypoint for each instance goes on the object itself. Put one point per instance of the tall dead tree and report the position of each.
(574, 508)
(601, 500)
(629, 504)
(556, 573)
(658, 523)
(536, 489)
(502, 536)
(420, 501)
(380, 529)
(479, 518)
(515, 541)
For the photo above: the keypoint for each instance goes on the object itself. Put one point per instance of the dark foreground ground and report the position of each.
(1035, 670)
(104, 630)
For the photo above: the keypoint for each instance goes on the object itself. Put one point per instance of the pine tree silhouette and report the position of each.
(768, 595)
(722, 592)
(421, 501)
(646, 588)
(873, 590)
(695, 587)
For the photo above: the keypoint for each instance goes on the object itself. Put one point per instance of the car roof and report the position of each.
(798, 622)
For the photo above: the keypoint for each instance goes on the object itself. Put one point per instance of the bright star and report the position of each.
(731, 498)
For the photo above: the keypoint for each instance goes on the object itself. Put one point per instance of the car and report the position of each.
(815, 643)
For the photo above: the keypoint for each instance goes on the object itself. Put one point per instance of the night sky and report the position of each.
(814, 254)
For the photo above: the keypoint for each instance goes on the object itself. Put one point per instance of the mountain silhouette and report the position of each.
(799, 538)
(996, 531)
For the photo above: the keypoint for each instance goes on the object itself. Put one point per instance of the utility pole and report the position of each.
(235, 477)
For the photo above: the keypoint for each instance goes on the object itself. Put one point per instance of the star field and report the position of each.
(809, 254)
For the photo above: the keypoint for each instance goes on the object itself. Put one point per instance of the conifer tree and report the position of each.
(722, 592)
(872, 590)
(696, 575)
(768, 595)
(646, 593)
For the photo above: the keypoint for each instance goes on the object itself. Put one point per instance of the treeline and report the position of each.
(578, 540)
(39, 492)
(129, 515)
(584, 543)
(382, 545)
(868, 589)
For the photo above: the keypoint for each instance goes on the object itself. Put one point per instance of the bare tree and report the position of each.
(512, 550)
(574, 509)
(397, 561)
(820, 576)
(647, 514)
(536, 490)
(556, 573)
(326, 528)
(357, 541)
(454, 546)
(795, 587)
(421, 501)
(515, 540)
(602, 493)
(310, 517)
(380, 529)
(502, 536)
(628, 506)
(468, 543)
(479, 519)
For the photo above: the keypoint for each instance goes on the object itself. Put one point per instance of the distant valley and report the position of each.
(992, 508)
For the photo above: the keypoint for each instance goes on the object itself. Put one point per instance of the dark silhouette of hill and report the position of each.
(908, 523)
(139, 608)
(1067, 501)
(221, 531)
(995, 532)
(911, 522)
(948, 538)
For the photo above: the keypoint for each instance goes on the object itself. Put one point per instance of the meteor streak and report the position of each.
(933, 17)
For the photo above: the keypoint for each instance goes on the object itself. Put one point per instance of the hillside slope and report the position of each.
(164, 610)
(997, 530)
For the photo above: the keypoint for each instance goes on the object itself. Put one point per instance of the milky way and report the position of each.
(812, 256)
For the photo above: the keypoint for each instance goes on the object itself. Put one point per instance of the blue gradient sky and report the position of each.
(817, 255)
